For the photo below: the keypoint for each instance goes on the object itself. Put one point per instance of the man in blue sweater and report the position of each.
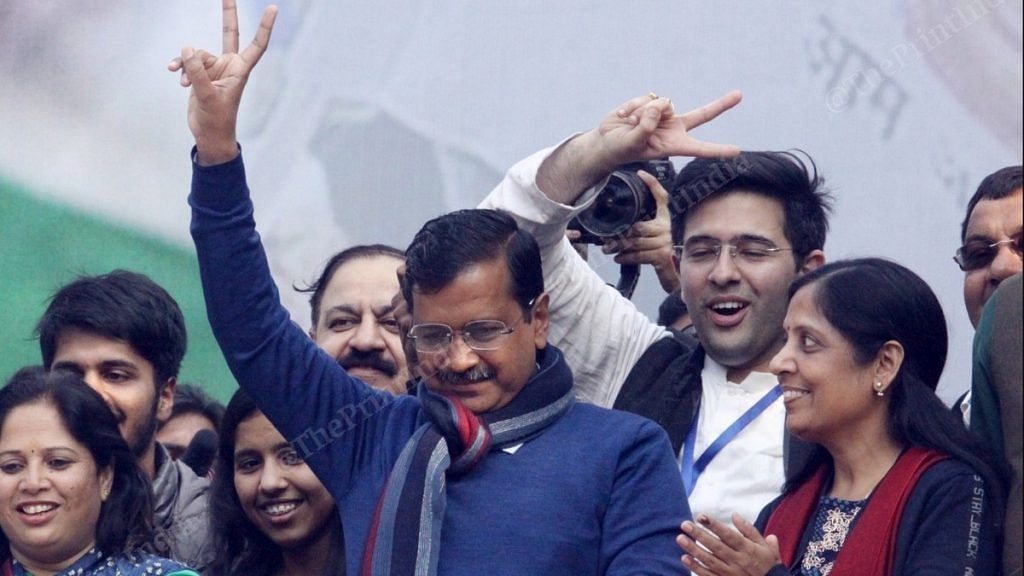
(492, 467)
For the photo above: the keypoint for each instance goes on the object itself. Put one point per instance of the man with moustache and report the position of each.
(353, 316)
(743, 228)
(125, 336)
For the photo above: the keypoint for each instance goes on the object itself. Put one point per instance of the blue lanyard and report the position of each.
(692, 470)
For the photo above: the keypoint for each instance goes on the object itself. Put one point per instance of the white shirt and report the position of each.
(749, 471)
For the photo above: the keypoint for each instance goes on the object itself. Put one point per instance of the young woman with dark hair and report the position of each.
(72, 499)
(270, 514)
(898, 485)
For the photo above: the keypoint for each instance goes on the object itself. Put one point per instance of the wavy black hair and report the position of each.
(120, 305)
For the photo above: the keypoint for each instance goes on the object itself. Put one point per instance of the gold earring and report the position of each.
(879, 389)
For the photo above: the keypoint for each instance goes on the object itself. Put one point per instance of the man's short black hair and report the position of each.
(783, 176)
(192, 399)
(121, 305)
(996, 186)
(449, 244)
(316, 289)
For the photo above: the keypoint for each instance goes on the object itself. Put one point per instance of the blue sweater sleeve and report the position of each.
(948, 525)
(645, 510)
(335, 421)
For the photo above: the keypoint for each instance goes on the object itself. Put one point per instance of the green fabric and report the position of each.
(985, 420)
(46, 245)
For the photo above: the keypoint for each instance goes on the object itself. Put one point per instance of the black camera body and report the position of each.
(623, 201)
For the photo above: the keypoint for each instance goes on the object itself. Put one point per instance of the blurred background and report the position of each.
(365, 119)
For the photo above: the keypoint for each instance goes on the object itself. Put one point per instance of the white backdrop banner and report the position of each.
(365, 119)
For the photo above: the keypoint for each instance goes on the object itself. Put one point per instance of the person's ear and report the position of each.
(812, 261)
(888, 362)
(541, 320)
(165, 400)
(106, 477)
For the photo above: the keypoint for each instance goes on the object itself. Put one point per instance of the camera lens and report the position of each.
(617, 206)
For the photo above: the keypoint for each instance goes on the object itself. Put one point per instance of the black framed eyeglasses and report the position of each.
(978, 254)
(480, 335)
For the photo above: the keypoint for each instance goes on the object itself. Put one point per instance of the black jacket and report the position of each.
(665, 386)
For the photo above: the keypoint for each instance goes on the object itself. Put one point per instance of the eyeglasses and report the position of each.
(978, 254)
(744, 252)
(480, 335)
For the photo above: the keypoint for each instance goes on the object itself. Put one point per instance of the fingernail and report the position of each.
(687, 526)
(703, 519)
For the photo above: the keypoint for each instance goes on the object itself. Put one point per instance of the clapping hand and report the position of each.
(716, 549)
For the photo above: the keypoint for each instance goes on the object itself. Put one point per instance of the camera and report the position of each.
(623, 201)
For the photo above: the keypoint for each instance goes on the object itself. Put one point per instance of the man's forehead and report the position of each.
(992, 217)
(737, 213)
(86, 350)
(372, 277)
(481, 291)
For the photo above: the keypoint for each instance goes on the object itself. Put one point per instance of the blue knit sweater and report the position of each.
(597, 492)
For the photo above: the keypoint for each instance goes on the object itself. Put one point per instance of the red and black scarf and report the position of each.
(405, 537)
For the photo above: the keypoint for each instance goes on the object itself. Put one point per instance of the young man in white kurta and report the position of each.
(603, 335)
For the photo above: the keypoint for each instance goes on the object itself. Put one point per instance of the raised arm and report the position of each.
(330, 417)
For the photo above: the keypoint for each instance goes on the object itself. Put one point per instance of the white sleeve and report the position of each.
(601, 333)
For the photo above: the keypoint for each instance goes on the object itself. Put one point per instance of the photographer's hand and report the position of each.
(649, 241)
(642, 129)
(217, 83)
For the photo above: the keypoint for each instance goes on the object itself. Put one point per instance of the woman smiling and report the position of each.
(898, 485)
(72, 499)
(271, 516)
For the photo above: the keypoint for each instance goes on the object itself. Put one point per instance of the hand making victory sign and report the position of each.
(647, 128)
(644, 128)
(217, 83)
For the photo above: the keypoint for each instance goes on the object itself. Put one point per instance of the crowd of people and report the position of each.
(482, 402)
